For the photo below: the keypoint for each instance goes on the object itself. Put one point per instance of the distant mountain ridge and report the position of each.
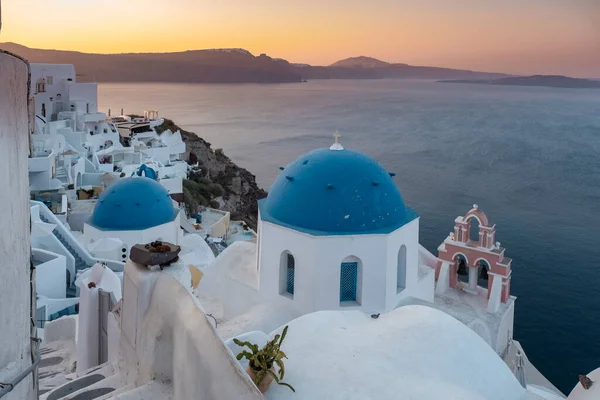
(228, 66)
(201, 66)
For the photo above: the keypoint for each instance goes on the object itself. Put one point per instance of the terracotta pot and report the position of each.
(266, 382)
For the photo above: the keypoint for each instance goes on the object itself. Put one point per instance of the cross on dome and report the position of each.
(336, 145)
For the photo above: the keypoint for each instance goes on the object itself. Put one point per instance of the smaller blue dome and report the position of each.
(133, 204)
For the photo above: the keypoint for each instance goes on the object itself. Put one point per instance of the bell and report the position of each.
(462, 269)
(483, 274)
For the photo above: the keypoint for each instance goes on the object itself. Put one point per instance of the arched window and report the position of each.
(287, 272)
(401, 269)
(350, 280)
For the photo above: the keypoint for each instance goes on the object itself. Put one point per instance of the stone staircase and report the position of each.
(80, 263)
(58, 380)
(61, 174)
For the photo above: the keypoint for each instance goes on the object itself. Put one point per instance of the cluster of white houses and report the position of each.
(371, 313)
(78, 156)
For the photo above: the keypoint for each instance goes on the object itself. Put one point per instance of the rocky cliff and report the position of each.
(220, 183)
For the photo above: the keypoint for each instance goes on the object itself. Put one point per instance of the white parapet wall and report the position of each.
(15, 291)
(51, 273)
(167, 337)
(100, 277)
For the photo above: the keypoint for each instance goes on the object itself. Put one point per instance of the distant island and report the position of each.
(555, 81)
(371, 68)
(228, 66)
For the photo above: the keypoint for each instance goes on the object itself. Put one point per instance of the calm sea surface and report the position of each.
(529, 157)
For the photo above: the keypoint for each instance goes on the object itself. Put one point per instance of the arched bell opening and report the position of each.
(462, 268)
(483, 269)
(474, 230)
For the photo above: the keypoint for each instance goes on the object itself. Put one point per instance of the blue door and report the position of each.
(348, 279)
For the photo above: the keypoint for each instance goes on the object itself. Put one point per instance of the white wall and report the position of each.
(173, 185)
(50, 276)
(15, 292)
(407, 235)
(505, 330)
(318, 261)
(59, 74)
(95, 135)
(166, 232)
(52, 244)
(108, 249)
(162, 154)
(86, 92)
(89, 308)
(170, 339)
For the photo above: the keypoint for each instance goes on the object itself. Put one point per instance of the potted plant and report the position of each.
(261, 362)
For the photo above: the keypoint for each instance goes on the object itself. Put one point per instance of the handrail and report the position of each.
(6, 388)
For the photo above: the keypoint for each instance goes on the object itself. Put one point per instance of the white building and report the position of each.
(131, 211)
(78, 158)
(334, 233)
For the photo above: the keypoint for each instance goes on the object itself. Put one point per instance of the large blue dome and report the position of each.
(133, 204)
(335, 192)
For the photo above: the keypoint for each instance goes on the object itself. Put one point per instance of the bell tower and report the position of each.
(482, 260)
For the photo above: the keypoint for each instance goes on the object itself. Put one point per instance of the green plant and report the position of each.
(261, 361)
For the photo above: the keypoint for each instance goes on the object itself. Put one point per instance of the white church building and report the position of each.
(335, 233)
(131, 211)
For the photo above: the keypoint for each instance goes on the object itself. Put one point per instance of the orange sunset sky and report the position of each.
(514, 36)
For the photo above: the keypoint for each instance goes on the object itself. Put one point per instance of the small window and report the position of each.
(348, 282)
(49, 80)
(291, 267)
(287, 274)
(401, 269)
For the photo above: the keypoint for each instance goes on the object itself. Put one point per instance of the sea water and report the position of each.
(529, 157)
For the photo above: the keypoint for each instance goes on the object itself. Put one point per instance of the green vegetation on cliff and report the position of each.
(218, 182)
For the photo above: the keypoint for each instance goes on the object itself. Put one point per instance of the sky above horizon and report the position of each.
(512, 36)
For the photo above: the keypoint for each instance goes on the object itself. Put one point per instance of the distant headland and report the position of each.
(555, 81)
(228, 66)
(241, 66)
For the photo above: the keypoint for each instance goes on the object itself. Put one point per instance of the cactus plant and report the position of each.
(261, 361)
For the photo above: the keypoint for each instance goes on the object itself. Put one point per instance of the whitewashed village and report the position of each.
(114, 288)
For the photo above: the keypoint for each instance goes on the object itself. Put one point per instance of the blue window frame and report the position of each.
(348, 281)
(291, 266)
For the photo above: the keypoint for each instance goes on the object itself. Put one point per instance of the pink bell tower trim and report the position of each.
(458, 250)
